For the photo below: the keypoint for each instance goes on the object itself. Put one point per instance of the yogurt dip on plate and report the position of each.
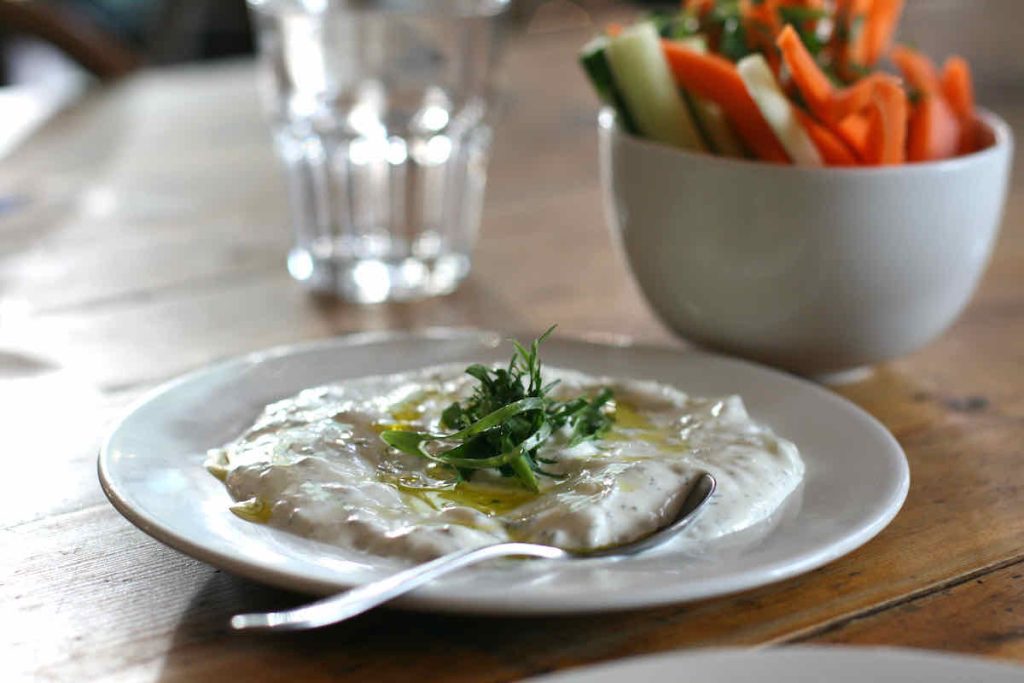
(315, 465)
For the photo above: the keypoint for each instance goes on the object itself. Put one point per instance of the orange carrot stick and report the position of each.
(613, 29)
(934, 129)
(916, 68)
(830, 105)
(887, 130)
(761, 25)
(812, 83)
(934, 132)
(849, 45)
(833, 150)
(958, 89)
(854, 132)
(874, 140)
(856, 97)
(716, 79)
(882, 18)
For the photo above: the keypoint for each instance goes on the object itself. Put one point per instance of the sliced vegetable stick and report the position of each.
(853, 130)
(959, 92)
(762, 23)
(934, 131)
(883, 17)
(887, 131)
(716, 79)
(715, 125)
(833, 150)
(917, 69)
(848, 42)
(874, 141)
(594, 60)
(827, 103)
(858, 96)
(648, 89)
(613, 30)
(777, 110)
(957, 87)
(812, 83)
(710, 118)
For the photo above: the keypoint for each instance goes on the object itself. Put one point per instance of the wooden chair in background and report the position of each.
(100, 53)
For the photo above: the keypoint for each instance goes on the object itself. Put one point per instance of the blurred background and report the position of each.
(111, 37)
(52, 52)
(51, 49)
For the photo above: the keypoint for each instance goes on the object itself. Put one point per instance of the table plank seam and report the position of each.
(838, 623)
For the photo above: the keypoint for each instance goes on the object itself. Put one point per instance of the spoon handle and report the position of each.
(346, 605)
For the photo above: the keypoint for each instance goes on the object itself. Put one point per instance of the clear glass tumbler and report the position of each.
(378, 109)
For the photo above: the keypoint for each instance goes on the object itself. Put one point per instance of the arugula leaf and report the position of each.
(506, 420)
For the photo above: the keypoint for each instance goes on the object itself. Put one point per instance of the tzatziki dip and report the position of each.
(615, 470)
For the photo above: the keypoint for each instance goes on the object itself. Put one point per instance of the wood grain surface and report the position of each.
(142, 234)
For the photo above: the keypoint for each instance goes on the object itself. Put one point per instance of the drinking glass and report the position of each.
(379, 115)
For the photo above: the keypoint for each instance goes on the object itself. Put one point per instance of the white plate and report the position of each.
(796, 665)
(151, 468)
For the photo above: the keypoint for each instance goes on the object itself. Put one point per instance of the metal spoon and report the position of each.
(346, 605)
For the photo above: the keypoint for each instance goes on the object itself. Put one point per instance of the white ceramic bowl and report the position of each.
(816, 271)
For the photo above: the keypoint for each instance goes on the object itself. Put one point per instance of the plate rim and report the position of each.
(424, 599)
(860, 653)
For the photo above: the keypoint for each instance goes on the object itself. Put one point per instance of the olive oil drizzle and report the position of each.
(490, 499)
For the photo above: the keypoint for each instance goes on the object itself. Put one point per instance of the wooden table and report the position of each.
(142, 234)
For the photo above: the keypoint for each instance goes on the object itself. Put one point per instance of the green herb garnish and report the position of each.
(805, 21)
(726, 22)
(674, 25)
(506, 420)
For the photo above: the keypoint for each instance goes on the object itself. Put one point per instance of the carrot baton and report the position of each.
(761, 24)
(716, 79)
(887, 130)
(826, 102)
(853, 130)
(848, 42)
(917, 69)
(815, 87)
(958, 89)
(934, 131)
(833, 150)
(858, 96)
(882, 19)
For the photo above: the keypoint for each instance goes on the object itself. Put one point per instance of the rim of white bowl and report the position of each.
(1001, 131)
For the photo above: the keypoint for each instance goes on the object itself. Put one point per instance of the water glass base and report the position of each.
(370, 281)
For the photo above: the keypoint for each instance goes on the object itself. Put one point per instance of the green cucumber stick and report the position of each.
(594, 60)
(647, 86)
